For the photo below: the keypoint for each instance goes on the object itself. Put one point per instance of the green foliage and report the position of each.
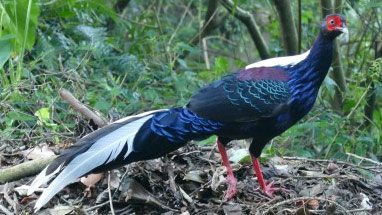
(5, 49)
(19, 19)
(142, 59)
(18, 22)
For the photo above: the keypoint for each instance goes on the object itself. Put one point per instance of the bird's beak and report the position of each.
(343, 29)
(344, 38)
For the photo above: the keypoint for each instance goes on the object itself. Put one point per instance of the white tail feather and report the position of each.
(104, 150)
(41, 179)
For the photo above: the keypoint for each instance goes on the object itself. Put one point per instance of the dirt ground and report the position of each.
(192, 181)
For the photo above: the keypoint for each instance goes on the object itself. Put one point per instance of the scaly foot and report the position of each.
(269, 189)
(231, 190)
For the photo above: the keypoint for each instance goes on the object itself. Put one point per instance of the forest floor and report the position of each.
(192, 181)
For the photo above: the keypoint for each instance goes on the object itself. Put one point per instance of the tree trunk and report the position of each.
(326, 7)
(337, 74)
(299, 26)
(288, 26)
(371, 96)
(249, 21)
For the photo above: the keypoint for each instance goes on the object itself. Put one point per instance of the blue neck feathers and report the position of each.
(306, 77)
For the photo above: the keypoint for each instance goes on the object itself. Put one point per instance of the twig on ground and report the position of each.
(110, 197)
(304, 199)
(335, 161)
(207, 160)
(135, 192)
(277, 198)
(3, 147)
(81, 108)
(348, 211)
(358, 210)
(96, 206)
(10, 201)
(320, 176)
(171, 178)
(364, 159)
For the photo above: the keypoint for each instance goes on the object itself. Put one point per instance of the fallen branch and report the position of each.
(109, 192)
(364, 159)
(369, 168)
(8, 199)
(288, 201)
(81, 108)
(23, 170)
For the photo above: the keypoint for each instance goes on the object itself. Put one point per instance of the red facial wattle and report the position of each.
(334, 23)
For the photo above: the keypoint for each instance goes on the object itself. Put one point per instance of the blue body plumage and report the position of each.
(180, 125)
(260, 102)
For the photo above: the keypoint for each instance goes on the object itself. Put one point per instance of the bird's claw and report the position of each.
(269, 189)
(231, 190)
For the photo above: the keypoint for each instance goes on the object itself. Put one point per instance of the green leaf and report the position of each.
(23, 19)
(182, 63)
(20, 116)
(209, 141)
(5, 49)
(240, 156)
(43, 114)
(103, 105)
(221, 65)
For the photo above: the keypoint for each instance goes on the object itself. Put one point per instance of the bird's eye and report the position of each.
(332, 22)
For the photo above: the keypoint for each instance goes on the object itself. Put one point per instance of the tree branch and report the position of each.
(249, 21)
(288, 26)
(211, 21)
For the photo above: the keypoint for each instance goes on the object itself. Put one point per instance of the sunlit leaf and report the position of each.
(23, 19)
(5, 49)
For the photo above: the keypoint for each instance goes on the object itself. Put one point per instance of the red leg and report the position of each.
(267, 189)
(231, 180)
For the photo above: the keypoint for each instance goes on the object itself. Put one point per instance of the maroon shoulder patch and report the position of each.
(263, 73)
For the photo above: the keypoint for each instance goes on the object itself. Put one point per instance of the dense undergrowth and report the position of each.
(141, 59)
